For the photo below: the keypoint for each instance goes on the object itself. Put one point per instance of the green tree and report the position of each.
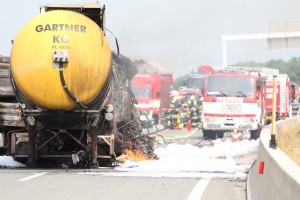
(291, 68)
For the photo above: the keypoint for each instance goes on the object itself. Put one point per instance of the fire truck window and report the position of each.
(231, 86)
(195, 83)
(141, 92)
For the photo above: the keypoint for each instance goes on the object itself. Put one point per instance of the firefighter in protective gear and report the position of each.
(200, 111)
(184, 112)
(175, 105)
(195, 109)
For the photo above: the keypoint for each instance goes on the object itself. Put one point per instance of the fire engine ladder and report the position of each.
(283, 96)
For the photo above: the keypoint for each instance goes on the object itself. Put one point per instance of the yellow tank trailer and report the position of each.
(60, 32)
(75, 95)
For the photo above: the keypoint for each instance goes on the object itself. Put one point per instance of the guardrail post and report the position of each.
(273, 143)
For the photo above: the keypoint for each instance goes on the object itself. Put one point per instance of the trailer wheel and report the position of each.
(3, 151)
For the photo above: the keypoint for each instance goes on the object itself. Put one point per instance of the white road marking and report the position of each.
(157, 174)
(33, 176)
(198, 190)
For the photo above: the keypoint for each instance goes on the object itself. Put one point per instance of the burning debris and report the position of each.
(134, 156)
(138, 155)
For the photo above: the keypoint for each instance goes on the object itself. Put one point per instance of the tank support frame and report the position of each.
(94, 132)
(91, 125)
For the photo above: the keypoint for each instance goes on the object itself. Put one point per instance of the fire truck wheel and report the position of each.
(209, 134)
(220, 134)
(255, 134)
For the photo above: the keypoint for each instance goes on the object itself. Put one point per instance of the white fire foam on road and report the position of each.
(218, 160)
(8, 161)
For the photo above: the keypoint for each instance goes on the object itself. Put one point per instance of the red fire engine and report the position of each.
(233, 101)
(285, 93)
(151, 87)
(197, 76)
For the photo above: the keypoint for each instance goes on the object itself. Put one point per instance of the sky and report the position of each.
(177, 34)
(219, 160)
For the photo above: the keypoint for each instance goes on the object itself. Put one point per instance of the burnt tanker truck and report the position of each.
(73, 94)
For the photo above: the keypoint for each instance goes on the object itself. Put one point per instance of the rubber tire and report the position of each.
(255, 134)
(209, 134)
(220, 134)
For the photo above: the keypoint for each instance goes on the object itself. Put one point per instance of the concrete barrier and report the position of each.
(288, 137)
(280, 178)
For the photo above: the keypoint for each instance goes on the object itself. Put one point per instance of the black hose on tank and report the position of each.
(117, 44)
(65, 86)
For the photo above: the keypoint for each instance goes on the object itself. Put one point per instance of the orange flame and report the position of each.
(135, 154)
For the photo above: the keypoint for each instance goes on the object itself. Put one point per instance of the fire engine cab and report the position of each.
(233, 101)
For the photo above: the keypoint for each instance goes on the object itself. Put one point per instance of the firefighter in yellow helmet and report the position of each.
(184, 112)
(174, 107)
(194, 111)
